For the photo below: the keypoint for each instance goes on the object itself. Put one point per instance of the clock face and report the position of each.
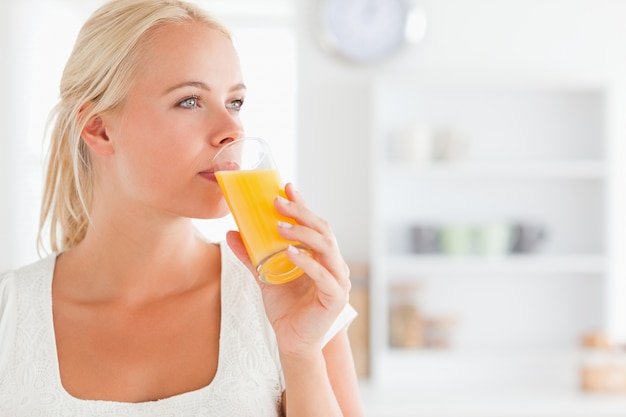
(363, 30)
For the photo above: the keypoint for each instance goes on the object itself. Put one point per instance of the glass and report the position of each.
(248, 176)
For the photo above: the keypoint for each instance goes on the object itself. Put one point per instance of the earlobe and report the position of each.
(95, 136)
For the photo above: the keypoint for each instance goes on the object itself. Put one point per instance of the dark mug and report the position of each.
(425, 239)
(526, 237)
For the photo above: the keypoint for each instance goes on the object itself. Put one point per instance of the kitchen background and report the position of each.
(475, 179)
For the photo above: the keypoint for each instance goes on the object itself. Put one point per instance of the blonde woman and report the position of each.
(134, 313)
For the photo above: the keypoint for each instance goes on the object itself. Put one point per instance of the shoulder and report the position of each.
(11, 280)
(15, 283)
(8, 315)
(15, 288)
(7, 293)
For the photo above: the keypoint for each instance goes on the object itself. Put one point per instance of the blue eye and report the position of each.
(190, 102)
(235, 104)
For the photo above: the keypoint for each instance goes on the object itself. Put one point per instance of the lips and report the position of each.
(208, 174)
(226, 165)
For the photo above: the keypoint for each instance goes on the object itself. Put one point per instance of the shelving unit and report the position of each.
(400, 266)
(592, 169)
(533, 151)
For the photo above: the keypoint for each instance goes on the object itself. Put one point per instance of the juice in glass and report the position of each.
(250, 195)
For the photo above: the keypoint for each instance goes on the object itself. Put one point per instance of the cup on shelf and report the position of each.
(425, 239)
(527, 237)
(458, 239)
(493, 239)
(450, 144)
(487, 238)
(440, 332)
(412, 144)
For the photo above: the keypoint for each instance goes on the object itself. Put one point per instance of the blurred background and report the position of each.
(470, 156)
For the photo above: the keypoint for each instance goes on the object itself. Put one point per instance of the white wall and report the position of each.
(15, 95)
(4, 169)
(26, 102)
(542, 38)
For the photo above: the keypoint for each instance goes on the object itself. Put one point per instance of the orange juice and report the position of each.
(250, 196)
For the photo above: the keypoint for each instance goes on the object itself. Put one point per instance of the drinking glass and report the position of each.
(250, 181)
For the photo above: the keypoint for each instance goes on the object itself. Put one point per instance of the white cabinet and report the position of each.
(467, 160)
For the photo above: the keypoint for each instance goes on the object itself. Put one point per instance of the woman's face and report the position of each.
(182, 109)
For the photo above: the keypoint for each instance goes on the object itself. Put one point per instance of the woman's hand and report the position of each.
(302, 311)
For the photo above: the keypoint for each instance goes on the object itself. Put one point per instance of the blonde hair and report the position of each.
(96, 78)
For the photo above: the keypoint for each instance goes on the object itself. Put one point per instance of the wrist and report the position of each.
(311, 364)
(302, 358)
(308, 387)
(293, 348)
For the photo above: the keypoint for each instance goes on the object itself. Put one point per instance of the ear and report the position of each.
(95, 136)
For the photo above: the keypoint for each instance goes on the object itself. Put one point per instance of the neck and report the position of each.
(135, 261)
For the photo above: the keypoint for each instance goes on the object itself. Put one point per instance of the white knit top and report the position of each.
(248, 381)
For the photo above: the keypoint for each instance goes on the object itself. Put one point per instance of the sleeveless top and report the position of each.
(248, 381)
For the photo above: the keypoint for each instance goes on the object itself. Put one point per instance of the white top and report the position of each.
(248, 381)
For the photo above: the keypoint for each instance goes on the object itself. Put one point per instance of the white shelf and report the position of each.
(496, 402)
(591, 169)
(535, 153)
(508, 367)
(486, 383)
(404, 265)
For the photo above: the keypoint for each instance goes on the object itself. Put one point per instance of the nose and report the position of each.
(226, 128)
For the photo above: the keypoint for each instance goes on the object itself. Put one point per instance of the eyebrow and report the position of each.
(201, 85)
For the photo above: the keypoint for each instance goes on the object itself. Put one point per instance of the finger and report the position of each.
(329, 290)
(293, 194)
(312, 231)
(295, 207)
(324, 244)
(324, 247)
(299, 210)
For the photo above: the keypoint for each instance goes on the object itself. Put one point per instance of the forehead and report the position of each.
(172, 33)
(188, 50)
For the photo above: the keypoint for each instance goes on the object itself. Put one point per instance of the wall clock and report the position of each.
(362, 31)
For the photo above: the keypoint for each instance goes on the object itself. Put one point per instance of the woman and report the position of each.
(135, 313)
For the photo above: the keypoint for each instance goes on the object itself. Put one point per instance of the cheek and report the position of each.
(153, 164)
(154, 151)
(142, 162)
(151, 146)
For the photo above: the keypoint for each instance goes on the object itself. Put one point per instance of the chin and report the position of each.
(217, 212)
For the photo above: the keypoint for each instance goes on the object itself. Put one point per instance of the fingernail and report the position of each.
(293, 249)
(282, 200)
(284, 224)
